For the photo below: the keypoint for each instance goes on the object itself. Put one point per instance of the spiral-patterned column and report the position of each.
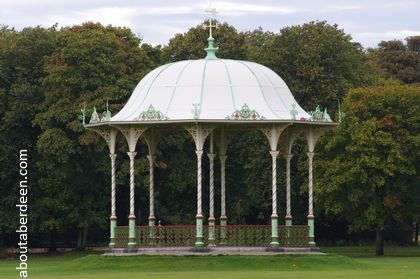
(113, 218)
(152, 218)
(151, 189)
(212, 220)
(132, 217)
(223, 217)
(311, 217)
(199, 217)
(274, 218)
(288, 218)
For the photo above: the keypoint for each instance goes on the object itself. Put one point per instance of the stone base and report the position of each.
(184, 251)
(200, 249)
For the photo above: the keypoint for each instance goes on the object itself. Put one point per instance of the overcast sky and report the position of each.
(156, 21)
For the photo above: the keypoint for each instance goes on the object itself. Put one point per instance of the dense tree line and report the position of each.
(367, 170)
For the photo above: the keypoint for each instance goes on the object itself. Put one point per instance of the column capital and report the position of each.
(310, 154)
(131, 154)
(223, 157)
(288, 157)
(199, 153)
(211, 156)
(274, 153)
(112, 156)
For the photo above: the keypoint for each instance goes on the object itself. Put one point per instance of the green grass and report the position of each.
(341, 262)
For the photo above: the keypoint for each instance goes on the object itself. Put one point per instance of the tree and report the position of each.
(22, 55)
(90, 64)
(370, 170)
(318, 62)
(401, 61)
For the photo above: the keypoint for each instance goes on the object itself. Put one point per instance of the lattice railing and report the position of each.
(245, 235)
(294, 236)
(236, 235)
(121, 236)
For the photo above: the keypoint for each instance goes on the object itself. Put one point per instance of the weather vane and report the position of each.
(212, 14)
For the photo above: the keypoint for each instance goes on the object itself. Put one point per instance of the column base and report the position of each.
(152, 231)
(131, 231)
(289, 221)
(274, 231)
(152, 221)
(132, 244)
(223, 230)
(113, 224)
(212, 232)
(199, 231)
(311, 225)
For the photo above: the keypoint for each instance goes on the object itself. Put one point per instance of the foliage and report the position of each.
(318, 62)
(22, 55)
(370, 170)
(401, 61)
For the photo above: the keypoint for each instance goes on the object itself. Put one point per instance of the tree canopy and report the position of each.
(369, 172)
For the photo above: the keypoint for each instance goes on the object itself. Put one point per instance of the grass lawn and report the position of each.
(340, 262)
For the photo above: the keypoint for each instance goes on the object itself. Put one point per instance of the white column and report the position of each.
(311, 217)
(289, 218)
(199, 217)
(212, 220)
(223, 217)
(132, 217)
(151, 191)
(274, 217)
(113, 218)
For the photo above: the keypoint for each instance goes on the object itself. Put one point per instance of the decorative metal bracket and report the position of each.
(196, 111)
(199, 134)
(294, 111)
(95, 117)
(288, 138)
(152, 137)
(132, 135)
(318, 115)
(109, 134)
(273, 134)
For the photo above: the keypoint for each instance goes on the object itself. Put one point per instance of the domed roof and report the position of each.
(211, 89)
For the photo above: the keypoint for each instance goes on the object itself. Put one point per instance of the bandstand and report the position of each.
(213, 99)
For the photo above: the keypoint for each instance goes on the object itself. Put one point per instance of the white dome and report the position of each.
(211, 89)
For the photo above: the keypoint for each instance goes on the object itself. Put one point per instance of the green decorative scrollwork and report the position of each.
(245, 113)
(151, 114)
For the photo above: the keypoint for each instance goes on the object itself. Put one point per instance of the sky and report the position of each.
(156, 21)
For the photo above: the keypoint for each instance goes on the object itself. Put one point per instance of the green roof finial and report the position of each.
(211, 50)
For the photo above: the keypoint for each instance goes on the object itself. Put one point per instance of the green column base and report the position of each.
(199, 231)
(223, 230)
(132, 231)
(311, 225)
(152, 231)
(289, 221)
(212, 232)
(113, 224)
(274, 232)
